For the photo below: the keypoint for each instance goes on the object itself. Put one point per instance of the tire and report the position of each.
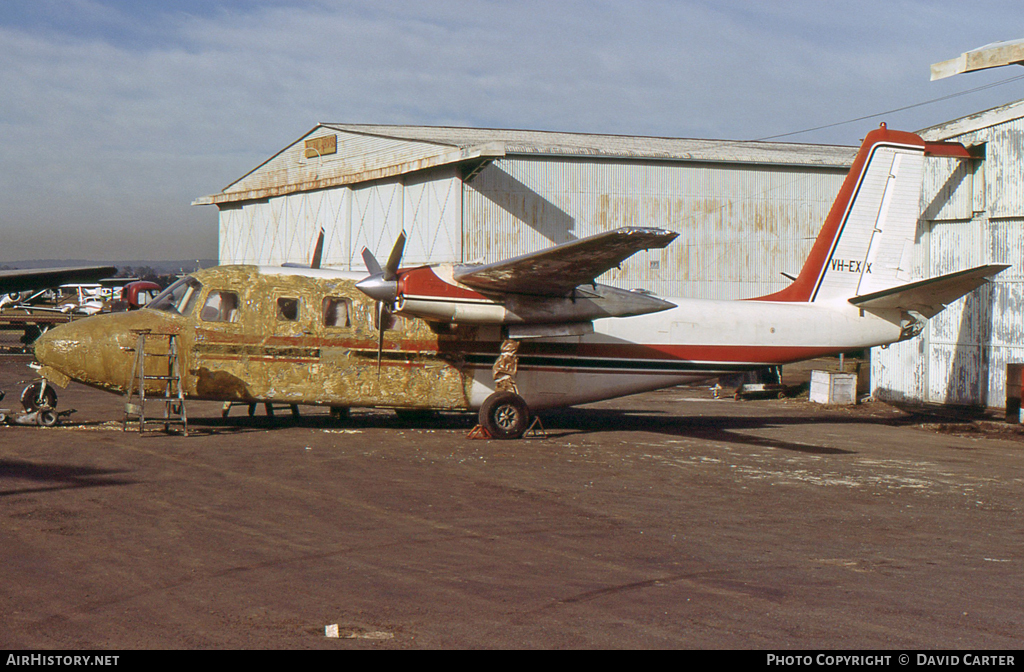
(505, 415)
(46, 418)
(34, 397)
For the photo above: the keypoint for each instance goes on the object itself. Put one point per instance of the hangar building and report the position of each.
(746, 211)
(972, 214)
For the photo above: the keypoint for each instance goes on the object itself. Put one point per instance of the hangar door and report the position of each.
(426, 205)
(283, 229)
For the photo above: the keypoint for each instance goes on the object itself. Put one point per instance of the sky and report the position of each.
(115, 115)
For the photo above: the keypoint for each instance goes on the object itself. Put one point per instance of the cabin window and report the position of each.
(336, 312)
(287, 309)
(220, 307)
(180, 297)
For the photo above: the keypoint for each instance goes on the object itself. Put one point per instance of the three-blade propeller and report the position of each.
(382, 286)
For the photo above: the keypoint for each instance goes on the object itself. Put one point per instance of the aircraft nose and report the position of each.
(55, 348)
(86, 350)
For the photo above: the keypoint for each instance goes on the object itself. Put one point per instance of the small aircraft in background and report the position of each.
(529, 333)
(20, 286)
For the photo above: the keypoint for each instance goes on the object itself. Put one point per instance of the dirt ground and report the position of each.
(664, 520)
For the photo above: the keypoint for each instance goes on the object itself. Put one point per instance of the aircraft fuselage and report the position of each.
(309, 337)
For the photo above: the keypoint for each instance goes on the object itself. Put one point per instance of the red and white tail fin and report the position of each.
(866, 243)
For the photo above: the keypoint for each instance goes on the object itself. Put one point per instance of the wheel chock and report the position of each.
(479, 432)
(536, 429)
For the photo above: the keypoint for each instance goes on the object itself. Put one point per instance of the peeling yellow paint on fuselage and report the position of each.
(260, 357)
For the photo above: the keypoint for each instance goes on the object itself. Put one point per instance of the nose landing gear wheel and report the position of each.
(505, 415)
(35, 396)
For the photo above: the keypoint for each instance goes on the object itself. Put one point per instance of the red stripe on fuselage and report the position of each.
(707, 354)
(726, 354)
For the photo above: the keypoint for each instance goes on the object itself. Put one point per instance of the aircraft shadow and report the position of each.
(558, 423)
(358, 420)
(722, 429)
(568, 422)
(727, 428)
(56, 477)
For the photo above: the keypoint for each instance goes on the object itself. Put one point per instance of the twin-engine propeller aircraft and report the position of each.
(532, 332)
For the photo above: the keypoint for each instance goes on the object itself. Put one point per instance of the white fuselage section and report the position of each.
(699, 339)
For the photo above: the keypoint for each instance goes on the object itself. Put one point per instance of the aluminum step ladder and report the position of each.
(161, 350)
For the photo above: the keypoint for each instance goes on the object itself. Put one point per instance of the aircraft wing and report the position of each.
(20, 280)
(929, 297)
(557, 270)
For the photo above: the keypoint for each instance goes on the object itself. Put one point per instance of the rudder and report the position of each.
(867, 240)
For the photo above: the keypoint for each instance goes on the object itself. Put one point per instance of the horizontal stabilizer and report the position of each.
(557, 270)
(929, 297)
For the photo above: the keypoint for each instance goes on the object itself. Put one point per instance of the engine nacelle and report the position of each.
(430, 298)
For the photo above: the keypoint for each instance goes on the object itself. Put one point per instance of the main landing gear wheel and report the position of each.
(505, 415)
(36, 396)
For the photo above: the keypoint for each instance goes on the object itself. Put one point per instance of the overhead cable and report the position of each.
(898, 109)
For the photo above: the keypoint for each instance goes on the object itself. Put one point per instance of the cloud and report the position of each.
(116, 115)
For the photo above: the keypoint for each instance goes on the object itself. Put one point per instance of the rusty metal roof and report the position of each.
(622, 146)
(974, 122)
(364, 152)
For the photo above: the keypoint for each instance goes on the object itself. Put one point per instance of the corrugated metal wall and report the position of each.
(283, 229)
(427, 205)
(740, 226)
(956, 336)
(972, 214)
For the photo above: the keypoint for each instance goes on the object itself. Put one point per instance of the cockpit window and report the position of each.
(179, 298)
